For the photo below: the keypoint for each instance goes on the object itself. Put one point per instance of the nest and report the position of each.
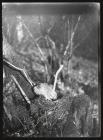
(44, 116)
(56, 110)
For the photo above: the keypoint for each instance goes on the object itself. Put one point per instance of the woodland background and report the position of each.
(76, 112)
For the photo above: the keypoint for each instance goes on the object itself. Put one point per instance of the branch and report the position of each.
(76, 26)
(34, 41)
(72, 36)
(22, 71)
(7, 113)
(51, 41)
(56, 76)
(21, 90)
(68, 46)
(51, 28)
(65, 52)
(37, 45)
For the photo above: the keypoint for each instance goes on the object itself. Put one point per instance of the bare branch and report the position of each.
(51, 41)
(56, 76)
(72, 36)
(37, 45)
(51, 27)
(34, 41)
(21, 90)
(65, 52)
(76, 26)
(7, 113)
(22, 71)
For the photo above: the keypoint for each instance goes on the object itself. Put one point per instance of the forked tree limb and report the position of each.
(65, 52)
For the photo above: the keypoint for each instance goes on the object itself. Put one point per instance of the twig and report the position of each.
(40, 119)
(19, 120)
(51, 41)
(72, 36)
(52, 44)
(70, 44)
(60, 68)
(21, 90)
(56, 76)
(34, 41)
(49, 30)
(76, 26)
(37, 45)
(7, 113)
(65, 52)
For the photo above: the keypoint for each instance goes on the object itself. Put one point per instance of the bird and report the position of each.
(43, 89)
(11, 61)
(46, 90)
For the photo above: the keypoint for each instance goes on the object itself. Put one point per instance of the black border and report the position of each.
(65, 10)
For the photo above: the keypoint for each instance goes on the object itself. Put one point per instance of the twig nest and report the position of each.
(46, 90)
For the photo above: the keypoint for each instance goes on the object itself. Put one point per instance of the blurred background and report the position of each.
(35, 36)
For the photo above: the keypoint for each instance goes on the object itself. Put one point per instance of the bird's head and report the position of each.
(45, 90)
